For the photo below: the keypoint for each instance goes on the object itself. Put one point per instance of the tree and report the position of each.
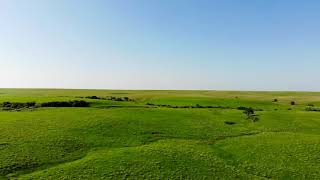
(249, 112)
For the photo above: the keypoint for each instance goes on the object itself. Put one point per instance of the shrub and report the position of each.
(292, 103)
(311, 105)
(242, 108)
(275, 100)
(229, 122)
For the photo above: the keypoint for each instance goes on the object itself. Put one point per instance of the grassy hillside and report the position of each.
(160, 135)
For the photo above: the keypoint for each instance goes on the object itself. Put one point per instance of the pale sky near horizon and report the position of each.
(160, 44)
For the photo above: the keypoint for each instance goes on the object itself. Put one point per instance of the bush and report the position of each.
(229, 122)
(311, 105)
(242, 108)
(293, 103)
(275, 100)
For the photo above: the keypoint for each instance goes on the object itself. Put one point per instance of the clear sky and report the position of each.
(160, 44)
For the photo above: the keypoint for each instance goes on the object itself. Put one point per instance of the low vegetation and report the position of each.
(186, 106)
(159, 135)
(312, 108)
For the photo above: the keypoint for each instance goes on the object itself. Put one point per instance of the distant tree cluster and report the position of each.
(93, 97)
(312, 108)
(193, 106)
(242, 108)
(245, 108)
(112, 98)
(66, 104)
(119, 98)
(18, 105)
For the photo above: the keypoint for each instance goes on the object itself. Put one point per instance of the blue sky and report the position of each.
(160, 44)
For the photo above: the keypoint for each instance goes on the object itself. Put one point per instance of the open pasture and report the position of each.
(160, 135)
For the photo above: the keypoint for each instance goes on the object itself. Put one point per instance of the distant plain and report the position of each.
(126, 134)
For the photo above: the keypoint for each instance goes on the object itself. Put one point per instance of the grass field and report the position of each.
(160, 135)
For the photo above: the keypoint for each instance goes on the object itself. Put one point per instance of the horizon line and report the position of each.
(106, 89)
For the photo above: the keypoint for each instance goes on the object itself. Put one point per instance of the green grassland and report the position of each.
(143, 139)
